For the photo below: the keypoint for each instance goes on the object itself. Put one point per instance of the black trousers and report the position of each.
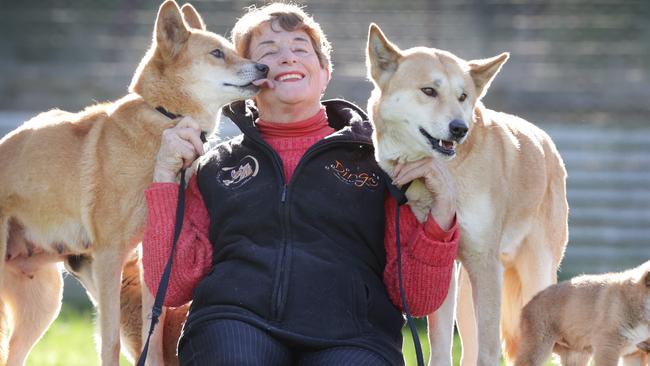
(225, 342)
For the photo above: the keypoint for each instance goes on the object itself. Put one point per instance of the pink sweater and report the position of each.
(428, 252)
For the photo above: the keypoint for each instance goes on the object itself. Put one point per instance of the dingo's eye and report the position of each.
(217, 53)
(430, 92)
(462, 97)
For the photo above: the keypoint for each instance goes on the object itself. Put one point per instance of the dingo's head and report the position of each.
(190, 71)
(424, 98)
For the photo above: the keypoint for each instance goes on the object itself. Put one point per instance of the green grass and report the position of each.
(70, 342)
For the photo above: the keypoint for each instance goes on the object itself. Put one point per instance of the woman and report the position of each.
(282, 249)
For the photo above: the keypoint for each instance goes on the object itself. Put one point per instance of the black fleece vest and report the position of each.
(307, 255)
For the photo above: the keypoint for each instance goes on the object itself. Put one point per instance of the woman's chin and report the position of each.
(294, 97)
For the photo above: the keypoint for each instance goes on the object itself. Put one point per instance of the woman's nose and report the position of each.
(287, 57)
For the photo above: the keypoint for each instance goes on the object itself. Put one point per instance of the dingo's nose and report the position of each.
(262, 68)
(458, 129)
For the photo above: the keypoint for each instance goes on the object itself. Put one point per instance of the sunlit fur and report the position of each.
(510, 180)
(74, 182)
(601, 315)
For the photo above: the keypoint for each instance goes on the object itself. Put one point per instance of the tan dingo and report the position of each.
(73, 183)
(605, 315)
(512, 207)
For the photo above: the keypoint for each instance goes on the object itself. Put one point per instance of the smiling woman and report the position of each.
(296, 78)
(288, 255)
(298, 52)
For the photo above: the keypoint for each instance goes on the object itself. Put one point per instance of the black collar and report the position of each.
(167, 113)
(171, 115)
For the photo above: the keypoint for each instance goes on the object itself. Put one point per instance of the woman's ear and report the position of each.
(325, 78)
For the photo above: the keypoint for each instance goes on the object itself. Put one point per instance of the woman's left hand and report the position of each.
(438, 181)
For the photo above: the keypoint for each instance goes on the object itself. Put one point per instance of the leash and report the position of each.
(400, 197)
(398, 194)
(157, 308)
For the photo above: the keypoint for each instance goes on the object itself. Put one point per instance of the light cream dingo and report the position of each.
(512, 207)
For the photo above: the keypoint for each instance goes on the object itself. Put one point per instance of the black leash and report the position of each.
(156, 311)
(400, 197)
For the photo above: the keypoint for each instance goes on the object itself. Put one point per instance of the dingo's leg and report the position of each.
(441, 329)
(466, 320)
(35, 301)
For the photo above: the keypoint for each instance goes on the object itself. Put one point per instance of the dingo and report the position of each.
(605, 315)
(512, 207)
(73, 183)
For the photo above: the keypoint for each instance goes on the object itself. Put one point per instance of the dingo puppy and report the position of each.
(74, 182)
(605, 315)
(512, 207)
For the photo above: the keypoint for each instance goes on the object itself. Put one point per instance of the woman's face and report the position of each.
(296, 76)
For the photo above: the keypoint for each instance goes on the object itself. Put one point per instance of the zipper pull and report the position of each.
(284, 193)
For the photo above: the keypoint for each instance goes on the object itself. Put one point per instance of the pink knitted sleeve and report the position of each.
(428, 255)
(193, 254)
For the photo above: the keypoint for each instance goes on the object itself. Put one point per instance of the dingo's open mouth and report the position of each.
(443, 146)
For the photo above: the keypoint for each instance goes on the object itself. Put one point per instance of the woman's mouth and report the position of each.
(289, 77)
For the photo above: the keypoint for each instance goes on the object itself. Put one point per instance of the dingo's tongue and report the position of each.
(263, 83)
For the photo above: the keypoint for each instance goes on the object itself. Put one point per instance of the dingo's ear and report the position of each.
(382, 56)
(192, 17)
(171, 31)
(484, 71)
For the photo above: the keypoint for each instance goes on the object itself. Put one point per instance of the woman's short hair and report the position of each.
(289, 17)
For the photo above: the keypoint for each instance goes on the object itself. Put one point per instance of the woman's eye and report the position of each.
(462, 97)
(430, 92)
(217, 53)
(301, 50)
(266, 54)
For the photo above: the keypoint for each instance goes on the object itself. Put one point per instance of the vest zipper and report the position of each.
(279, 293)
(278, 296)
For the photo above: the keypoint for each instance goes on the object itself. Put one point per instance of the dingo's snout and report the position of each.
(458, 129)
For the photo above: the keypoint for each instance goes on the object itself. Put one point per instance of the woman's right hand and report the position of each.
(179, 147)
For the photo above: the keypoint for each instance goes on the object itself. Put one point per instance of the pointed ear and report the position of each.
(171, 31)
(484, 71)
(382, 56)
(192, 17)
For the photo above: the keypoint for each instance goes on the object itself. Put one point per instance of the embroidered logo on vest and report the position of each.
(357, 179)
(238, 175)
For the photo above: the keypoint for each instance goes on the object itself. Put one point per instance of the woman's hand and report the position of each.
(179, 147)
(438, 181)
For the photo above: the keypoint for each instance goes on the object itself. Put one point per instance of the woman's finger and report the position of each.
(398, 168)
(188, 122)
(192, 136)
(413, 170)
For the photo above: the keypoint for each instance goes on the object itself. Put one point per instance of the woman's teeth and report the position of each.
(289, 77)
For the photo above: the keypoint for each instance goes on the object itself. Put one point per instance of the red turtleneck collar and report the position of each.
(312, 126)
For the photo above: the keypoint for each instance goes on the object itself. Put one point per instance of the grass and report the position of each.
(69, 342)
